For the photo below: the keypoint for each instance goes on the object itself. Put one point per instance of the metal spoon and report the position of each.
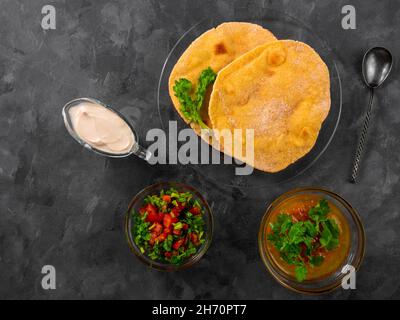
(376, 66)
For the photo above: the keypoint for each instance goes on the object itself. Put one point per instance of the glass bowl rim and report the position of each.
(271, 266)
(165, 266)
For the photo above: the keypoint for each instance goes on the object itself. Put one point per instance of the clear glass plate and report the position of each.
(283, 26)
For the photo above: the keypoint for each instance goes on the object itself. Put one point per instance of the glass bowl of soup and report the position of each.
(310, 239)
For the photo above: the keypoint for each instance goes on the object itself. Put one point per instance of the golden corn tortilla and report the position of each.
(215, 48)
(282, 91)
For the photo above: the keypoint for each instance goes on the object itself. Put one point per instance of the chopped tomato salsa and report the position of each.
(169, 226)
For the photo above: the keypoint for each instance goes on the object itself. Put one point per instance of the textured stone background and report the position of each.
(64, 206)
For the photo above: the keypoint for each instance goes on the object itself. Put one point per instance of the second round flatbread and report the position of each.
(282, 91)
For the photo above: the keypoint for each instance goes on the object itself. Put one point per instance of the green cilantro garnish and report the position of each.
(195, 223)
(316, 261)
(154, 200)
(142, 232)
(189, 107)
(319, 212)
(301, 272)
(168, 243)
(300, 242)
(178, 225)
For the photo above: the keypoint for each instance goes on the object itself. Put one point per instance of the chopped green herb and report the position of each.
(319, 212)
(301, 272)
(189, 107)
(298, 241)
(316, 261)
(178, 225)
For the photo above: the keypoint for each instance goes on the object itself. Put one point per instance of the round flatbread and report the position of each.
(282, 91)
(215, 48)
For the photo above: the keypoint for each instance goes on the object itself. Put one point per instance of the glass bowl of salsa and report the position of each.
(310, 238)
(169, 226)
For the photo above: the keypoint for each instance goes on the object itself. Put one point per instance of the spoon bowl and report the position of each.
(376, 66)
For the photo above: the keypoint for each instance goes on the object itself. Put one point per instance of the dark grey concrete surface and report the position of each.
(62, 205)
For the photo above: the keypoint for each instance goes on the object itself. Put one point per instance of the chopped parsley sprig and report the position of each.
(191, 107)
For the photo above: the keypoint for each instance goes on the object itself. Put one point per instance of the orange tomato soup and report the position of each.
(334, 259)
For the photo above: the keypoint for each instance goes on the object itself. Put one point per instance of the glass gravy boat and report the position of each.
(136, 149)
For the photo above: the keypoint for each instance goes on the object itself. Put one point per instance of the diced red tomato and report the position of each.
(185, 226)
(161, 237)
(152, 217)
(177, 232)
(168, 230)
(166, 234)
(319, 251)
(167, 221)
(166, 198)
(303, 248)
(195, 211)
(175, 211)
(181, 206)
(157, 229)
(152, 214)
(150, 208)
(153, 237)
(177, 244)
(194, 238)
(300, 215)
(168, 254)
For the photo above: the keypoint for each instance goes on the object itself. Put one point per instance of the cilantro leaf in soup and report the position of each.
(319, 212)
(332, 225)
(303, 243)
(330, 234)
(326, 236)
(301, 272)
(316, 261)
(312, 231)
(296, 233)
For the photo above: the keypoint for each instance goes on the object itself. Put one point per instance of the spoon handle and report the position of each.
(361, 143)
